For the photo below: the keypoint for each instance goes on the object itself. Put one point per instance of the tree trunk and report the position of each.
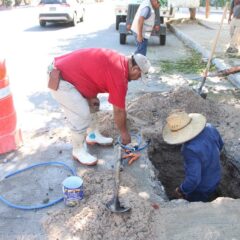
(192, 13)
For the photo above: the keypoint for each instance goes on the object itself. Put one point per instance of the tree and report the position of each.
(192, 13)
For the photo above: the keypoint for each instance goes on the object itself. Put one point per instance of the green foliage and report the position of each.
(214, 3)
(191, 65)
(8, 3)
(163, 3)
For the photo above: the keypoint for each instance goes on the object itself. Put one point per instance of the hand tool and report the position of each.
(114, 204)
(199, 90)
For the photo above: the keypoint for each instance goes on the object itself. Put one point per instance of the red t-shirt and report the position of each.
(96, 70)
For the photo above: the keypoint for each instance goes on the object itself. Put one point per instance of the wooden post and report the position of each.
(207, 9)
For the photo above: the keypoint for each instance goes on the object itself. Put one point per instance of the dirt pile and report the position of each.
(91, 220)
(146, 114)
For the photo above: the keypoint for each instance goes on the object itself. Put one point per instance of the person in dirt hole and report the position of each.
(201, 148)
(76, 78)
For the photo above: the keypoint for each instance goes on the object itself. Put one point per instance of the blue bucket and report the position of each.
(72, 190)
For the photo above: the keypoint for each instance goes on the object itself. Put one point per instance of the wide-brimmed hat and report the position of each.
(182, 127)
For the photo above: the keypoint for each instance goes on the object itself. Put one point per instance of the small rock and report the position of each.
(46, 200)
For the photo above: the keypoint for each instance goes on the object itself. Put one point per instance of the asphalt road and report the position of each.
(28, 49)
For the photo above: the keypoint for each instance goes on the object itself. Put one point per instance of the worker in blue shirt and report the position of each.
(201, 147)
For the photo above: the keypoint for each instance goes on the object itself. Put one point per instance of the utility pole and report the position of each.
(207, 9)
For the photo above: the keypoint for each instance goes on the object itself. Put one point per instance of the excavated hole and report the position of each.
(168, 162)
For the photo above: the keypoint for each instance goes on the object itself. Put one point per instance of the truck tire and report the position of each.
(42, 23)
(81, 19)
(123, 38)
(161, 20)
(162, 40)
(75, 20)
(118, 19)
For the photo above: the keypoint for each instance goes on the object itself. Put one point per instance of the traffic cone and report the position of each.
(10, 136)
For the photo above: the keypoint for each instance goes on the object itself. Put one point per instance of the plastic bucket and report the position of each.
(72, 190)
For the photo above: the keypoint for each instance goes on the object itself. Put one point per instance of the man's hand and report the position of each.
(156, 28)
(139, 38)
(178, 193)
(126, 138)
(229, 20)
(94, 104)
(120, 117)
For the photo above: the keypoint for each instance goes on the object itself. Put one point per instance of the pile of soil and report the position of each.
(147, 115)
(92, 220)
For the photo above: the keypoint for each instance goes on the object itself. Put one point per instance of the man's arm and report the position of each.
(145, 13)
(231, 11)
(94, 104)
(120, 118)
(192, 172)
(140, 29)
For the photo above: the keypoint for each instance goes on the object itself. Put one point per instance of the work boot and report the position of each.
(80, 153)
(96, 137)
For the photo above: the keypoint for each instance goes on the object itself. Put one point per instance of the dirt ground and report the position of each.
(153, 218)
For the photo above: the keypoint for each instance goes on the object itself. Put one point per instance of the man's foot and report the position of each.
(82, 156)
(232, 50)
(96, 137)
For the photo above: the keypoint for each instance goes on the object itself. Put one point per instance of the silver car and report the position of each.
(63, 11)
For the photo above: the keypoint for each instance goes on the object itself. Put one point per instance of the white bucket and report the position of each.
(72, 190)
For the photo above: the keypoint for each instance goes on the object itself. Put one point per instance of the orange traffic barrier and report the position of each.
(10, 136)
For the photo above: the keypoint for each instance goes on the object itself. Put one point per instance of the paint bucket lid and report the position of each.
(72, 182)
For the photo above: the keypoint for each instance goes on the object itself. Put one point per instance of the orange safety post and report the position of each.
(10, 135)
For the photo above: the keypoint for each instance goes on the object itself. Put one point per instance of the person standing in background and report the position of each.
(234, 26)
(143, 24)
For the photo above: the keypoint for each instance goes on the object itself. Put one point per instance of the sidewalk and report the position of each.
(201, 34)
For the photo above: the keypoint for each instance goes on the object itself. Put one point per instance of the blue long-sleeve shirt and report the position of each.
(202, 161)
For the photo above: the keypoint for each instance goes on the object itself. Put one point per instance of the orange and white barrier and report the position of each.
(10, 136)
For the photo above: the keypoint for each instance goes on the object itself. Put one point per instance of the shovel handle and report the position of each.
(117, 170)
(213, 49)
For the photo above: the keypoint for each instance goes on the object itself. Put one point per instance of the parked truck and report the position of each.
(121, 8)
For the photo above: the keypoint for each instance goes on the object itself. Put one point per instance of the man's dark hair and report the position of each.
(133, 61)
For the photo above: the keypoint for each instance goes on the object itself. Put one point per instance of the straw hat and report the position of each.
(182, 127)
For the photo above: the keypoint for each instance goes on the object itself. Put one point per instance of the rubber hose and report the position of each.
(38, 206)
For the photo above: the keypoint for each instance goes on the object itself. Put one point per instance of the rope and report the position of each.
(37, 206)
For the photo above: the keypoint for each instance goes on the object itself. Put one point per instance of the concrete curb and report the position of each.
(219, 63)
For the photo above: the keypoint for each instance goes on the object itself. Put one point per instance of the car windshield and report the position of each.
(53, 1)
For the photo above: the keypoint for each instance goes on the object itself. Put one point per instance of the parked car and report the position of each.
(125, 27)
(63, 11)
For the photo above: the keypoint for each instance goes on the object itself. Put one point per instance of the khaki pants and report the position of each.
(74, 105)
(235, 33)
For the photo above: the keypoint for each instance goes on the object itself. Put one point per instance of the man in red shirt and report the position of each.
(85, 73)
